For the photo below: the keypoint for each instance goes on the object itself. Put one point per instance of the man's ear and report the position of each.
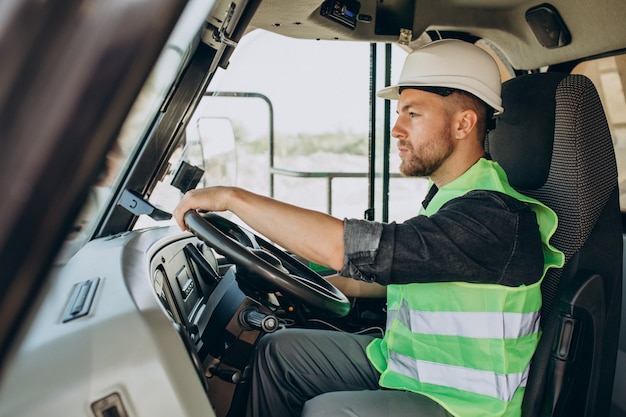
(464, 122)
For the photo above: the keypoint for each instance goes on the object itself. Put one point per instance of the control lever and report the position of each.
(228, 375)
(255, 319)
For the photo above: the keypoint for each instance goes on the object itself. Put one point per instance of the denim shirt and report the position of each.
(483, 236)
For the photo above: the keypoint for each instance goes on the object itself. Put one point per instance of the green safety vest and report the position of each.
(467, 346)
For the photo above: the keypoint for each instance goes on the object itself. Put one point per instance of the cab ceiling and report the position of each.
(595, 28)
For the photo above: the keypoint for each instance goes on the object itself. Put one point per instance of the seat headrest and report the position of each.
(524, 134)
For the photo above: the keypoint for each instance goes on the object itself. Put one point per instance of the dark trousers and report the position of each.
(312, 373)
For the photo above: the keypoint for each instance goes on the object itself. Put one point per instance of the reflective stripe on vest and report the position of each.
(484, 325)
(501, 386)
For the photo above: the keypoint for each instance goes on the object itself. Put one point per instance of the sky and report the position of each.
(314, 87)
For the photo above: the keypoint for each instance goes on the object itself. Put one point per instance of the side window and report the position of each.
(609, 76)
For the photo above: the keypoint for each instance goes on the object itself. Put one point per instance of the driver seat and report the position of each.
(554, 142)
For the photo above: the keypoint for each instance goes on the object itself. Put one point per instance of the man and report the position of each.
(462, 278)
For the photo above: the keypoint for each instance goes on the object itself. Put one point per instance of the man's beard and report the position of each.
(428, 160)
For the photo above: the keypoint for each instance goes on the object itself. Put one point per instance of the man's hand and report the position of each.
(209, 199)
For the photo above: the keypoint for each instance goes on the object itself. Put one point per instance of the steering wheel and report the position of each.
(262, 260)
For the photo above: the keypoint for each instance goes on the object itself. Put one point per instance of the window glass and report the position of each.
(298, 111)
(609, 76)
(300, 120)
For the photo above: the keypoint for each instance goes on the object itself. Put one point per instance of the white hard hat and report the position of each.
(454, 64)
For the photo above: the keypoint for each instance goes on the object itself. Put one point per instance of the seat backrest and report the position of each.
(554, 142)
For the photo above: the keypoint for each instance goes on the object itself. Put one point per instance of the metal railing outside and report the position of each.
(273, 170)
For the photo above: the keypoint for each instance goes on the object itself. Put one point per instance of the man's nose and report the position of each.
(397, 131)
